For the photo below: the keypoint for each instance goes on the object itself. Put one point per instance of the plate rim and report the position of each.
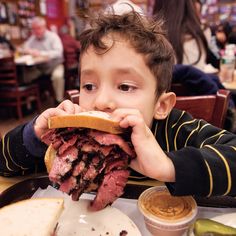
(229, 214)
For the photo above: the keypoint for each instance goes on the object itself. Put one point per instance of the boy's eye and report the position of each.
(89, 87)
(126, 87)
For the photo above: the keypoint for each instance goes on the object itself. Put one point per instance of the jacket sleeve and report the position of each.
(196, 81)
(204, 156)
(21, 152)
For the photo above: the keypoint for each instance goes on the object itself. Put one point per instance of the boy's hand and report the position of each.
(64, 108)
(151, 159)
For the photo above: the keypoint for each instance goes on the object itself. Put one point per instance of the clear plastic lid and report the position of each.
(161, 208)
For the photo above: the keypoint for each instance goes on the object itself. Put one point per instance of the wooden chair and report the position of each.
(72, 95)
(11, 92)
(45, 86)
(179, 89)
(71, 65)
(212, 108)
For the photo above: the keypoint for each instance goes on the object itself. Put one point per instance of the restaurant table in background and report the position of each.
(28, 60)
(27, 64)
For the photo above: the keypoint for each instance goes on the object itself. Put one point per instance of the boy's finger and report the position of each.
(67, 106)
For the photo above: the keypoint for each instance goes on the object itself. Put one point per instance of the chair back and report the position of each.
(179, 89)
(72, 95)
(14, 94)
(8, 75)
(212, 108)
(71, 59)
(71, 65)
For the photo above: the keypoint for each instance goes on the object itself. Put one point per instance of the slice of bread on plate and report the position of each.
(31, 217)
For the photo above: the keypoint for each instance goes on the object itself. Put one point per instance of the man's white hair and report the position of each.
(38, 21)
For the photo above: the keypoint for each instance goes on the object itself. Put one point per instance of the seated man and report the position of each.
(43, 42)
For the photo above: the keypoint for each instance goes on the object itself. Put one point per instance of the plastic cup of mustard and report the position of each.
(166, 215)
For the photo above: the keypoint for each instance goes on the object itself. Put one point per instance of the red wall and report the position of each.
(57, 12)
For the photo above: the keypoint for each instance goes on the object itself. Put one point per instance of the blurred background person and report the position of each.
(187, 35)
(221, 33)
(219, 39)
(48, 44)
(212, 58)
(204, 26)
(184, 31)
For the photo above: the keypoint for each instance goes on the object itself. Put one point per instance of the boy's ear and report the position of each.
(164, 105)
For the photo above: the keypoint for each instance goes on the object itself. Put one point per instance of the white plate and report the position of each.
(76, 219)
(227, 219)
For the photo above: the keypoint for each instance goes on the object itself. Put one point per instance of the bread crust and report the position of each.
(86, 120)
(49, 157)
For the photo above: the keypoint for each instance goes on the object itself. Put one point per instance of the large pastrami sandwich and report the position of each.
(88, 152)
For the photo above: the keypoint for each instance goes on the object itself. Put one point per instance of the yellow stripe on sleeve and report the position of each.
(210, 179)
(219, 138)
(192, 133)
(176, 135)
(213, 136)
(166, 135)
(183, 112)
(4, 155)
(233, 148)
(8, 151)
(204, 126)
(226, 167)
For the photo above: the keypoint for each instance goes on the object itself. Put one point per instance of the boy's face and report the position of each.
(118, 78)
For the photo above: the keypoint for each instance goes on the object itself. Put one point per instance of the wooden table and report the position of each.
(29, 67)
(6, 182)
(230, 85)
(28, 60)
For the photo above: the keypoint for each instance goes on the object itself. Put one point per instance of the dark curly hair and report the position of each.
(144, 35)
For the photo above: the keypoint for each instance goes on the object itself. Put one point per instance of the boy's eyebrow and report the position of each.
(87, 71)
(127, 70)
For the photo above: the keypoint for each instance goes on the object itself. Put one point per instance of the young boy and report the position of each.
(126, 67)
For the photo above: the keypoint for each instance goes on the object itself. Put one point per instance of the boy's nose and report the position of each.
(104, 101)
